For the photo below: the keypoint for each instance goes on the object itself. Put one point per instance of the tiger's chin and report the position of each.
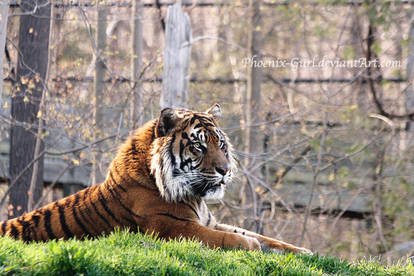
(215, 192)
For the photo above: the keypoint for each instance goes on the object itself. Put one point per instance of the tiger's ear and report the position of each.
(167, 122)
(214, 110)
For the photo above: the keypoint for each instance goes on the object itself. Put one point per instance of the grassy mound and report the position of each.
(124, 253)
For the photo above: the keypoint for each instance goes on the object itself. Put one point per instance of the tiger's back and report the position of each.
(95, 210)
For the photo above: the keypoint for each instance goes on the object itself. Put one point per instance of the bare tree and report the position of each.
(136, 63)
(254, 135)
(409, 101)
(31, 72)
(176, 58)
(4, 11)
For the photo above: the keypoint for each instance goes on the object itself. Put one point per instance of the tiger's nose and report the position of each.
(222, 169)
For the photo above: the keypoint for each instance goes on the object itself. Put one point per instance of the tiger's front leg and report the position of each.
(266, 243)
(170, 228)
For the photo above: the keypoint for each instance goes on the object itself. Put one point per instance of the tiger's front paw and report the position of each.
(302, 250)
(250, 243)
(280, 248)
(254, 244)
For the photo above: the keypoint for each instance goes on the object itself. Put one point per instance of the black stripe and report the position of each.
(86, 206)
(198, 125)
(209, 219)
(134, 149)
(25, 229)
(184, 136)
(113, 179)
(100, 215)
(112, 191)
(207, 124)
(102, 200)
(36, 220)
(47, 225)
(62, 219)
(185, 162)
(90, 220)
(153, 132)
(172, 156)
(122, 179)
(196, 166)
(122, 188)
(14, 232)
(171, 216)
(194, 210)
(3, 227)
(75, 215)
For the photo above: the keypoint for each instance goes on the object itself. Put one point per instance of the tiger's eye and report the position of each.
(197, 146)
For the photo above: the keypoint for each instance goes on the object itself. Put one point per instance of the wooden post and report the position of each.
(176, 58)
(99, 86)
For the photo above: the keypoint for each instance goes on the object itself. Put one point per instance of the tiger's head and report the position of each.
(190, 156)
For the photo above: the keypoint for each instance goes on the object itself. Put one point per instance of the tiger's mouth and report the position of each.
(213, 187)
(215, 191)
(216, 185)
(221, 181)
(209, 186)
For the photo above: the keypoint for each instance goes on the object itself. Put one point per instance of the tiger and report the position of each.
(158, 183)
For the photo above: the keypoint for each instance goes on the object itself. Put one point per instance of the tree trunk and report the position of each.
(176, 58)
(409, 101)
(136, 64)
(99, 86)
(4, 12)
(31, 73)
(254, 135)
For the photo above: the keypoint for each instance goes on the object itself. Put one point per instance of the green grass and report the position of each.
(124, 253)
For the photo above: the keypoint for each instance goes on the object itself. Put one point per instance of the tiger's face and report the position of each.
(191, 156)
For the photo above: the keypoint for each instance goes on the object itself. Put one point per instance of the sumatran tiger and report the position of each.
(157, 183)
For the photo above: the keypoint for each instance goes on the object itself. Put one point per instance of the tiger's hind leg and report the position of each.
(266, 243)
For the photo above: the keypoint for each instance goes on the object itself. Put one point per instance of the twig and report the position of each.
(262, 183)
(50, 188)
(82, 147)
(11, 185)
(315, 179)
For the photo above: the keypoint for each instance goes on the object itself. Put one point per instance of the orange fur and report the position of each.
(131, 197)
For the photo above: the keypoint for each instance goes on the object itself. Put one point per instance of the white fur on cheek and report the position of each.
(172, 189)
(155, 167)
